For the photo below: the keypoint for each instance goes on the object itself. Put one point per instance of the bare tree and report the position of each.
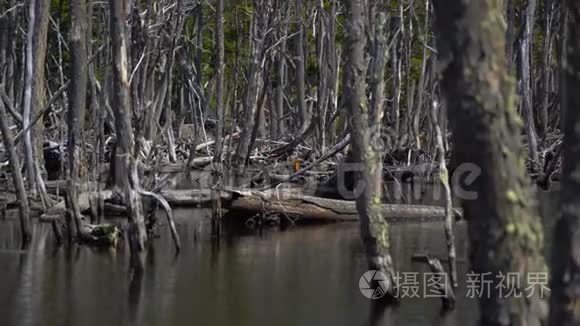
(78, 99)
(300, 62)
(504, 229)
(258, 34)
(280, 81)
(124, 159)
(25, 225)
(526, 96)
(219, 64)
(444, 180)
(34, 89)
(546, 85)
(565, 260)
(364, 125)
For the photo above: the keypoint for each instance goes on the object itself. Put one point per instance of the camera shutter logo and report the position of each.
(374, 284)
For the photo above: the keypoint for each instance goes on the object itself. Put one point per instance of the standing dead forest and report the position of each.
(387, 136)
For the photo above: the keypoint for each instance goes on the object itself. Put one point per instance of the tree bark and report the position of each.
(504, 229)
(444, 179)
(510, 9)
(251, 103)
(34, 89)
(565, 298)
(526, 96)
(374, 228)
(219, 79)
(323, 210)
(24, 209)
(300, 63)
(125, 150)
(396, 80)
(77, 99)
(218, 167)
(546, 86)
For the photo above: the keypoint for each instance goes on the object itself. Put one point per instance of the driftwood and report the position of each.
(322, 209)
(286, 202)
(299, 206)
(191, 197)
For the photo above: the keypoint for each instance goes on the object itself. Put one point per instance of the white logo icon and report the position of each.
(374, 284)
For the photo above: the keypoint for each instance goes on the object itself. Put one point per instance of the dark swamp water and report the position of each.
(299, 276)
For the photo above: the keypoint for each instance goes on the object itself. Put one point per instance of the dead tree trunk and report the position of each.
(365, 133)
(333, 71)
(257, 39)
(565, 297)
(545, 90)
(77, 98)
(283, 22)
(17, 177)
(34, 89)
(124, 155)
(199, 27)
(218, 167)
(510, 9)
(526, 95)
(422, 85)
(504, 229)
(444, 179)
(219, 79)
(396, 71)
(323, 72)
(300, 63)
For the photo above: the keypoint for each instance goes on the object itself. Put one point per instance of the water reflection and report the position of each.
(300, 276)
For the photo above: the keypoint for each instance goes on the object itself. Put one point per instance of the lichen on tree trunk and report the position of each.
(504, 229)
(365, 131)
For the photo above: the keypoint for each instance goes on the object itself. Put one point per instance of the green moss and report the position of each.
(512, 196)
(444, 177)
(510, 228)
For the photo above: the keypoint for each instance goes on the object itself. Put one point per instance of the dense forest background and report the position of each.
(282, 70)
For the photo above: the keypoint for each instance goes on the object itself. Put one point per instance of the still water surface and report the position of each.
(299, 276)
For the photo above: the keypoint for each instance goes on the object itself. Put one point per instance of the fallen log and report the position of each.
(299, 206)
(191, 197)
(323, 209)
(291, 203)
